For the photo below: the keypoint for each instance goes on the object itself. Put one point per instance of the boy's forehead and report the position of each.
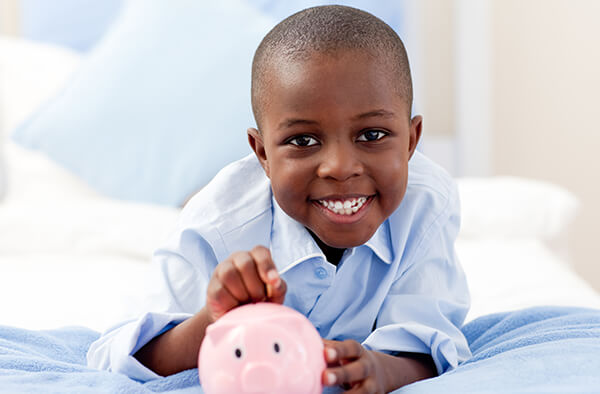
(307, 74)
(313, 60)
(328, 31)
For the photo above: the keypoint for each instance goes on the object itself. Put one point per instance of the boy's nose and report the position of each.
(340, 164)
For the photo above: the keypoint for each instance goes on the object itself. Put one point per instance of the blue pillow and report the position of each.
(160, 105)
(77, 24)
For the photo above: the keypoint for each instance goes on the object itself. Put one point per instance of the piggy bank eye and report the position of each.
(238, 353)
(276, 347)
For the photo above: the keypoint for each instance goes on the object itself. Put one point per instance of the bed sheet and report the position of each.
(50, 290)
(537, 350)
(509, 274)
(69, 256)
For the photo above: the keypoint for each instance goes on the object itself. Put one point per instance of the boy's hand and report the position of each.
(359, 370)
(353, 367)
(242, 278)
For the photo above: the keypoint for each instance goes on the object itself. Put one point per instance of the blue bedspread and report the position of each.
(537, 350)
(541, 350)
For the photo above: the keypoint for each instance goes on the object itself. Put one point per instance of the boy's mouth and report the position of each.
(348, 206)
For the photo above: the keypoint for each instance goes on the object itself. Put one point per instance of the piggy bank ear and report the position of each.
(216, 332)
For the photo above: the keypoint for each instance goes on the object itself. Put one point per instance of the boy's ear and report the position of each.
(255, 139)
(416, 126)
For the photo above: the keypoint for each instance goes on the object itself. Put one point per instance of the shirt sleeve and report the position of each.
(177, 291)
(114, 350)
(428, 302)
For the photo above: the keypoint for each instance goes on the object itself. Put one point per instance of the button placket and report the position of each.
(321, 273)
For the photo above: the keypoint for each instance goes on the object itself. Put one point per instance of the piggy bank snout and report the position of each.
(259, 377)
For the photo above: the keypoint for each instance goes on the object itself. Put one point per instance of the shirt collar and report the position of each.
(381, 243)
(291, 243)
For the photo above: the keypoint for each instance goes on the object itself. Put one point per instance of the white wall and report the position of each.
(9, 17)
(526, 91)
(546, 105)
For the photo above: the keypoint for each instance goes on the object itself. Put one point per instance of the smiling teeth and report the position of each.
(345, 207)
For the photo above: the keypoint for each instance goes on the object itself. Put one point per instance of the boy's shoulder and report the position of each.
(237, 194)
(431, 196)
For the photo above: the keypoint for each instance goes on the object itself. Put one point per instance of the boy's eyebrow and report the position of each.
(292, 122)
(378, 112)
(375, 113)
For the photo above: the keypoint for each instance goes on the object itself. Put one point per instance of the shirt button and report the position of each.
(321, 273)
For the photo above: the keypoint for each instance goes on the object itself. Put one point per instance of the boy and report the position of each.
(355, 238)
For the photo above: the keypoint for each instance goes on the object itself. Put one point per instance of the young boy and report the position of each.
(353, 235)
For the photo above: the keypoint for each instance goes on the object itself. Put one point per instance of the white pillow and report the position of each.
(509, 274)
(512, 207)
(30, 73)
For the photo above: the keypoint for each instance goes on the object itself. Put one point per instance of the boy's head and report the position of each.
(331, 94)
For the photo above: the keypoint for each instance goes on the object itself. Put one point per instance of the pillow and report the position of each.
(512, 207)
(23, 86)
(75, 24)
(160, 105)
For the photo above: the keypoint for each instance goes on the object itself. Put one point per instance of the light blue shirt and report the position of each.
(402, 291)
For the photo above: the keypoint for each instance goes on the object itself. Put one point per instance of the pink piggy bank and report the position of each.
(261, 348)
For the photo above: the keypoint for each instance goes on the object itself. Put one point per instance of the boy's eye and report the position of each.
(303, 140)
(371, 135)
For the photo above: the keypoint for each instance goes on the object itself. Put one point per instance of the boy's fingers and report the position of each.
(219, 299)
(355, 371)
(277, 294)
(367, 386)
(254, 285)
(231, 279)
(264, 264)
(275, 286)
(331, 355)
(346, 350)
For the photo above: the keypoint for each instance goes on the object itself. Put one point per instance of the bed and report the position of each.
(75, 253)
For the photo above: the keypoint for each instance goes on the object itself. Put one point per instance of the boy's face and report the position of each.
(335, 142)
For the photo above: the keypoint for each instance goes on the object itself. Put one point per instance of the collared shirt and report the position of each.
(402, 291)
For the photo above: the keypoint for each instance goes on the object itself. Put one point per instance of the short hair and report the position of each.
(327, 29)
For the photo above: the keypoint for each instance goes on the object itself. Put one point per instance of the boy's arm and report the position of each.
(362, 370)
(405, 368)
(242, 278)
(176, 349)
(425, 307)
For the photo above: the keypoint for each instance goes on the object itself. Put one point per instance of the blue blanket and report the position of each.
(537, 350)
(544, 349)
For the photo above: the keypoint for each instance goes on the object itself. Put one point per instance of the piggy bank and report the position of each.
(261, 348)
